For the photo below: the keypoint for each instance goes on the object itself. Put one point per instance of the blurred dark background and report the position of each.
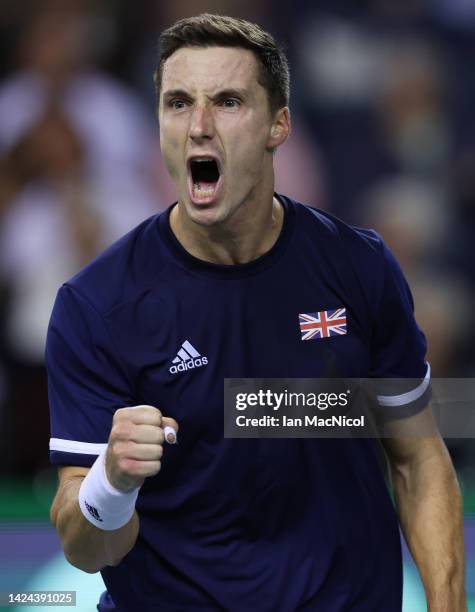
(382, 103)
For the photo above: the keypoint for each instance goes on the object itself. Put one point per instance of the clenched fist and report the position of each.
(135, 445)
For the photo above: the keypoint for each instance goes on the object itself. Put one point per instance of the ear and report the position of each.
(280, 128)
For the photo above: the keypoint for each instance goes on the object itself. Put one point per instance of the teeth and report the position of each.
(202, 159)
(200, 192)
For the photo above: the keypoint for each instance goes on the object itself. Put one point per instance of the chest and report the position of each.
(181, 344)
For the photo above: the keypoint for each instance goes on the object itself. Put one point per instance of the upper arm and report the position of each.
(400, 375)
(87, 382)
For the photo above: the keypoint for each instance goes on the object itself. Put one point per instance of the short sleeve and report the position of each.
(86, 381)
(398, 347)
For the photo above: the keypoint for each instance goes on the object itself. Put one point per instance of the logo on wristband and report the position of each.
(93, 512)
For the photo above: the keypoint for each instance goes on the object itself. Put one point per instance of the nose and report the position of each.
(201, 124)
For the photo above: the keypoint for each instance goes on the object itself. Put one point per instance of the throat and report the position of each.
(226, 246)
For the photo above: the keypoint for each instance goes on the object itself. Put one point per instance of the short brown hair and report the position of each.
(208, 30)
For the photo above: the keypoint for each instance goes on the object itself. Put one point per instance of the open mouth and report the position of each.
(204, 174)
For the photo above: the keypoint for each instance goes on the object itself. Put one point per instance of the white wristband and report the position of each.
(102, 504)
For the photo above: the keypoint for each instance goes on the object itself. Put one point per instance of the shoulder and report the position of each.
(123, 269)
(334, 233)
(357, 257)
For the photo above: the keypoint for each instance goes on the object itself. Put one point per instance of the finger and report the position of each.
(170, 434)
(143, 452)
(147, 434)
(170, 428)
(142, 469)
(168, 421)
(146, 415)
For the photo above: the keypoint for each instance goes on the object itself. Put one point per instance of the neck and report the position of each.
(251, 232)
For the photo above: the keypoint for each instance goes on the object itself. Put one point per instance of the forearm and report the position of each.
(430, 511)
(85, 546)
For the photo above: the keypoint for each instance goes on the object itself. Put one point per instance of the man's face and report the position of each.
(215, 130)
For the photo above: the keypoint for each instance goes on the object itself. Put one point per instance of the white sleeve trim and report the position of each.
(71, 446)
(406, 398)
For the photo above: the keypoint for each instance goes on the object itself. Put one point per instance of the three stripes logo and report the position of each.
(93, 512)
(187, 358)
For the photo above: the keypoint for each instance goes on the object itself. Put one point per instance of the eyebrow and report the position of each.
(230, 93)
(175, 93)
(222, 93)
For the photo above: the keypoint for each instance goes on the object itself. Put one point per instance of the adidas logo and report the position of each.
(187, 358)
(93, 512)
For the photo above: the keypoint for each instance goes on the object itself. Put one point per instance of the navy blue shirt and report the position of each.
(239, 524)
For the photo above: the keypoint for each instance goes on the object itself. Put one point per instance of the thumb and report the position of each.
(170, 427)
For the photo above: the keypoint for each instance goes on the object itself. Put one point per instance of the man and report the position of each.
(142, 338)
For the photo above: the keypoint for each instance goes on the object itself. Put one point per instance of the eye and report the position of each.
(231, 103)
(177, 104)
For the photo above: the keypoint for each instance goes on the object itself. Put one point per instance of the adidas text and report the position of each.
(189, 364)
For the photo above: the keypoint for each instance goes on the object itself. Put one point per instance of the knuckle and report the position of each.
(122, 430)
(150, 409)
(123, 464)
(120, 414)
(128, 466)
(114, 449)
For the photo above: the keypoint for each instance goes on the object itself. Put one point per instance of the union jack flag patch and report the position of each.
(317, 325)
